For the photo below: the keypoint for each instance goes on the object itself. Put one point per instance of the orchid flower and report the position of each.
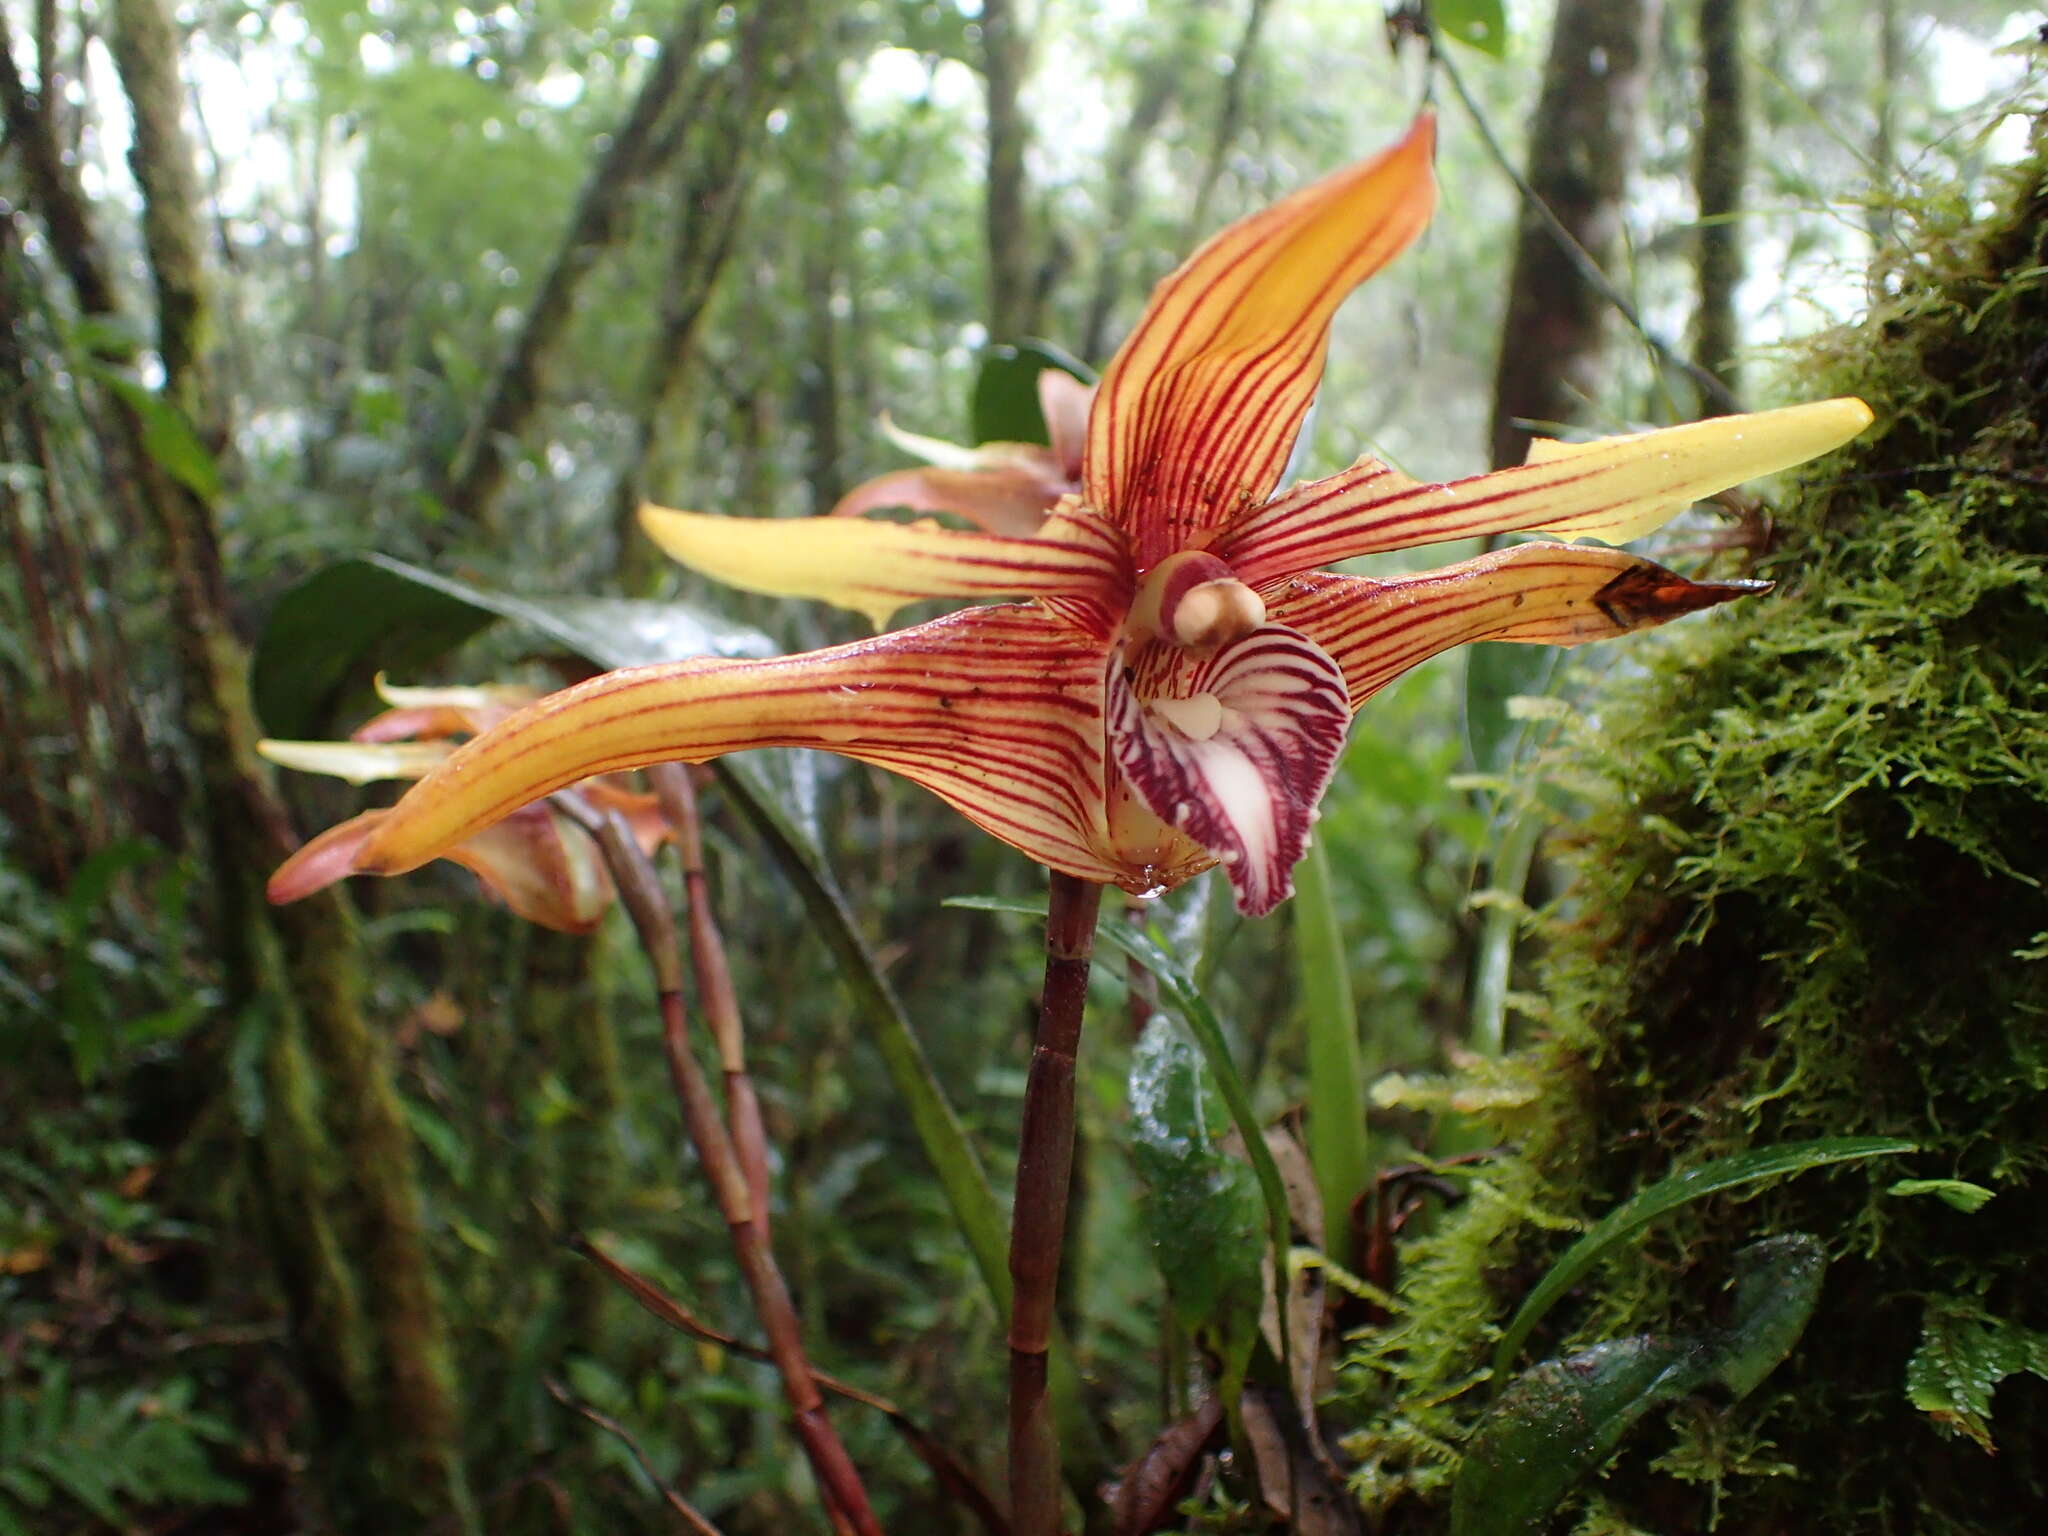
(1175, 689)
(537, 863)
(1004, 488)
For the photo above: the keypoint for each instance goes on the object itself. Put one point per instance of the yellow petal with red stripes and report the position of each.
(997, 710)
(1198, 410)
(1539, 594)
(1613, 489)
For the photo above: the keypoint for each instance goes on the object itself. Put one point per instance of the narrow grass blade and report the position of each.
(1336, 1062)
(1667, 1195)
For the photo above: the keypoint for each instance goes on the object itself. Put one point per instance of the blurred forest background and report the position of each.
(285, 1194)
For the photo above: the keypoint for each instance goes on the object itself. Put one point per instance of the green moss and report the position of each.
(1806, 901)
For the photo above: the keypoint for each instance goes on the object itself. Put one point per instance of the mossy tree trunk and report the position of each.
(717, 143)
(357, 1276)
(476, 483)
(1808, 903)
(1012, 237)
(1720, 166)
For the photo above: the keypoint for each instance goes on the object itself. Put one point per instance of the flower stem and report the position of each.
(1038, 1221)
(640, 892)
(715, 995)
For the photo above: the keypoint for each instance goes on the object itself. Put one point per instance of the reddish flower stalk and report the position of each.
(640, 892)
(715, 995)
(1038, 1222)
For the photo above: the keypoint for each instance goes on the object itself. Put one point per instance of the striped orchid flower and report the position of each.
(534, 861)
(1174, 689)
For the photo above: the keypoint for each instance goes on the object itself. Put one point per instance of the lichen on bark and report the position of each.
(1807, 860)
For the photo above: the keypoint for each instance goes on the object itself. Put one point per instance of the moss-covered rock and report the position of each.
(1807, 901)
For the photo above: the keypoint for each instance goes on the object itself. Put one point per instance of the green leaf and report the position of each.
(1481, 24)
(1962, 1357)
(1336, 1060)
(1005, 408)
(1667, 1195)
(1201, 1205)
(329, 633)
(167, 434)
(1560, 1420)
(1960, 1193)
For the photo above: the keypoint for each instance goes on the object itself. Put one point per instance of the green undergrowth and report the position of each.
(1806, 856)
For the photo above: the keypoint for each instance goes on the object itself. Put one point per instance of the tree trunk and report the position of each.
(1157, 79)
(1582, 145)
(824, 130)
(1720, 166)
(1829, 935)
(1006, 56)
(477, 479)
(1884, 153)
(303, 958)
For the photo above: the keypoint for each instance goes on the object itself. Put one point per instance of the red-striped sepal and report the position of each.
(997, 710)
(1538, 594)
(1199, 409)
(1613, 489)
(1233, 749)
(544, 869)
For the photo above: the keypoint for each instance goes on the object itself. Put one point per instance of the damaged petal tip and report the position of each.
(1646, 594)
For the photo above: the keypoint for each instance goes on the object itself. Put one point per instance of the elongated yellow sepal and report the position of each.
(360, 762)
(1613, 489)
(997, 710)
(876, 567)
(1538, 594)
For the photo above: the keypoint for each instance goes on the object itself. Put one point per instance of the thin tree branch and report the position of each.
(952, 1473)
(691, 1519)
(1581, 260)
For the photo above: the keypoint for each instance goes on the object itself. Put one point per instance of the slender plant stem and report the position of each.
(640, 892)
(691, 1518)
(1038, 1221)
(952, 1473)
(715, 995)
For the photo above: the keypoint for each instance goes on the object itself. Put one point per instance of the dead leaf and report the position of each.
(1148, 1491)
(1293, 1481)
